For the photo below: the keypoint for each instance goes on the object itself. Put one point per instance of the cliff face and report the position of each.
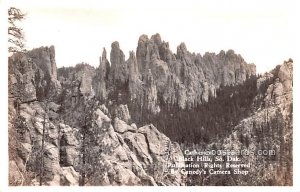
(33, 76)
(99, 82)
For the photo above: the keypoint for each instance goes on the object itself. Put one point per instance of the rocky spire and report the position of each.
(135, 83)
(151, 93)
(101, 77)
(133, 67)
(119, 69)
(165, 53)
(196, 77)
(147, 51)
(141, 52)
(104, 66)
(45, 57)
(181, 50)
(37, 71)
(156, 39)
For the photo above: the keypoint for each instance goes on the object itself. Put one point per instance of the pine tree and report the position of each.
(15, 33)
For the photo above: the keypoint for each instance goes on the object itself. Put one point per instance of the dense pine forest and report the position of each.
(203, 122)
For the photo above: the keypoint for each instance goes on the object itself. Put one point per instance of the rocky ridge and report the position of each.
(154, 73)
(269, 128)
(272, 120)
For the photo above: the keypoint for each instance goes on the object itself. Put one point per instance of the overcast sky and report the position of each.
(261, 31)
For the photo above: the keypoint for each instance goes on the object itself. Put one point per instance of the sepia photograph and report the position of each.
(150, 93)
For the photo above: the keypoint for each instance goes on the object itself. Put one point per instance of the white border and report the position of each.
(3, 98)
(4, 136)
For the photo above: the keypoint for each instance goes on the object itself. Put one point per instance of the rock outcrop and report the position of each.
(101, 77)
(138, 155)
(123, 154)
(45, 57)
(119, 68)
(33, 75)
(80, 78)
(122, 113)
(150, 94)
(185, 78)
(21, 78)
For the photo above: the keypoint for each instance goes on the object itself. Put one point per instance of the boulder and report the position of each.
(121, 127)
(122, 113)
(101, 118)
(69, 177)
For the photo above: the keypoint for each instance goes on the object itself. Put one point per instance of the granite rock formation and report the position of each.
(33, 75)
(47, 124)
(155, 73)
(77, 125)
(121, 154)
